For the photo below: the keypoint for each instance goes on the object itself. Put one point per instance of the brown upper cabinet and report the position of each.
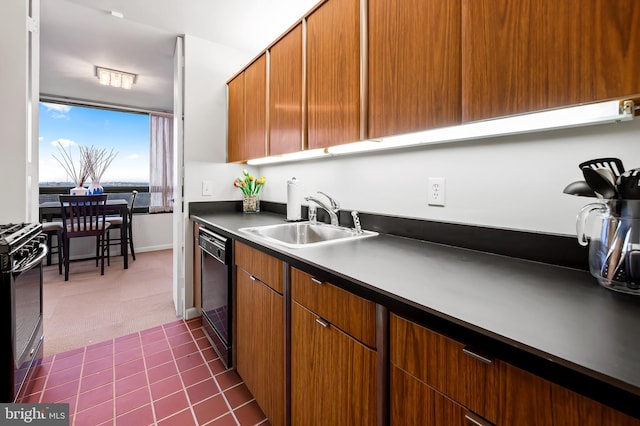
(235, 118)
(286, 119)
(428, 64)
(333, 74)
(248, 113)
(414, 65)
(256, 109)
(526, 55)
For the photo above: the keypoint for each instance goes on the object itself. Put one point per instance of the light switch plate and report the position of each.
(436, 191)
(207, 187)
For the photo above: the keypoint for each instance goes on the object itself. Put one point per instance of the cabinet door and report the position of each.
(571, 409)
(526, 55)
(415, 403)
(333, 72)
(285, 94)
(236, 130)
(525, 399)
(446, 365)
(414, 65)
(260, 344)
(256, 109)
(333, 376)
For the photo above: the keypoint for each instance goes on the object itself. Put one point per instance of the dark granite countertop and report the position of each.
(557, 314)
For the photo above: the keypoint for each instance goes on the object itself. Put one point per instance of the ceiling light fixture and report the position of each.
(115, 78)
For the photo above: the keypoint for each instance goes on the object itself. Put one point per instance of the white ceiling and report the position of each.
(77, 35)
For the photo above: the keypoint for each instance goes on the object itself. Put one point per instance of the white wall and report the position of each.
(19, 87)
(508, 182)
(207, 68)
(150, 232)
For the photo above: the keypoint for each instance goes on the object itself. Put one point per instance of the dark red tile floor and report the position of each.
(167, 375)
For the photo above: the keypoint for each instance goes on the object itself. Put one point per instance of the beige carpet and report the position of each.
(91, 308)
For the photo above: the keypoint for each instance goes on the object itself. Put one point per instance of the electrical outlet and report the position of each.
(207, 187)
(436, 191)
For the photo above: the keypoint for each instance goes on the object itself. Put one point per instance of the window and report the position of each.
(70, 126)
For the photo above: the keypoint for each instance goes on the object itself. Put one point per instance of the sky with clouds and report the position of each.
(71, 126)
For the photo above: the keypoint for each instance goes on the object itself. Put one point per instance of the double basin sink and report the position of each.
(306, 234)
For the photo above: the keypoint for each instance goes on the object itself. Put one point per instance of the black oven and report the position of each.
(22, 250)
(216, 291)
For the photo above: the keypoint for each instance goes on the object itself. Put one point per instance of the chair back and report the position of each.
(83, 215)
(131, 203)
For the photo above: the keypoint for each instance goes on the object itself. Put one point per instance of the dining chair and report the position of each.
(83, 216)
(53, 229)
(115, 222)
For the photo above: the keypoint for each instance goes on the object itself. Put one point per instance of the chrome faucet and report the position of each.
(332, 208)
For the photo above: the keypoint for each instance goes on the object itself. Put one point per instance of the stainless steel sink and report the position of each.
(306, 234)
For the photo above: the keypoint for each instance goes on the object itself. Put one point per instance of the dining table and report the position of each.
(51, 209)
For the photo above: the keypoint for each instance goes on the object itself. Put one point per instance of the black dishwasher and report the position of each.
(216, 291)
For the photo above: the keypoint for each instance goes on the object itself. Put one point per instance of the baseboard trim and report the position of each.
(153, 248)
(191, 313)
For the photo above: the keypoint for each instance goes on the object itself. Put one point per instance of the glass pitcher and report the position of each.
(611, 228)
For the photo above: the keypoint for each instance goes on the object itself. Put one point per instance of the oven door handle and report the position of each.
(34, 262)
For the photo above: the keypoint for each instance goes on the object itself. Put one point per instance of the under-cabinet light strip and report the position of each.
(583, 115)
(294, 156)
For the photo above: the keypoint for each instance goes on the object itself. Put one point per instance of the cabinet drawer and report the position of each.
(266, 268)
(350, 313)
(446, 365)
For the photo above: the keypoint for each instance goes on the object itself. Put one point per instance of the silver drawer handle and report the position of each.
(474, 355)
(315, 280)
(253, 278)
(322, 322)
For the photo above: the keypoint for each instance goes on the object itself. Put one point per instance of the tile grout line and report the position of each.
(75, 408)
(213, 376)
(113, 377)
(193, 413)
(175, 363)
(46, 379)
(146, 375)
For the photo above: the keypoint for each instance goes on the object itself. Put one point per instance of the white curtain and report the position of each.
(161, 161)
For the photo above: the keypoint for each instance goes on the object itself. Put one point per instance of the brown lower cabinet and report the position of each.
(334, 364)
(260, 334)
(333, 376)
(333, 361)
(436, 380)
(415, 403)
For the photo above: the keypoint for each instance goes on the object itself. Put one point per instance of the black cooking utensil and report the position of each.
(611, 163)
(633, 268)
(628, 185)
(579, 188)
(602, 186)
